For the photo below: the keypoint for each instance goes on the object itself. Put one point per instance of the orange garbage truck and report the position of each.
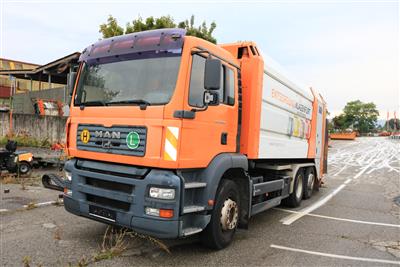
(171, 135)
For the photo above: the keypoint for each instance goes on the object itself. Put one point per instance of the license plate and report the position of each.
(102, 213)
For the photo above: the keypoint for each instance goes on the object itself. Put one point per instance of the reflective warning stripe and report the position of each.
(171, 143)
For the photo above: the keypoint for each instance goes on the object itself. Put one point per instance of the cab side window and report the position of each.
(229, 78)
(196, 89)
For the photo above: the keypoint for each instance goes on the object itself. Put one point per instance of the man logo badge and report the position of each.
(133, 140)
(85, 136)
(107, 138)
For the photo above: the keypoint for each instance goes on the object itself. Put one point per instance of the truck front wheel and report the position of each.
(224, 217)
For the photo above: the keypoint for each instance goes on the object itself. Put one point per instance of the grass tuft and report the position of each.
(26, 261)
(31, 206)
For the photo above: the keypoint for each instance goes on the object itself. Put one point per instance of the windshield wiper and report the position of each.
(142, 103)
(92, 103)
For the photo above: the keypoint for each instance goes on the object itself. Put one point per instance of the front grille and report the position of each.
(109, 203)
(124, 188)
(118, 139)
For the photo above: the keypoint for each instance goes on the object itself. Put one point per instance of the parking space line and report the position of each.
(343, 219)
(294, 217)
(43, 204)
(347, 181)
(337, 256)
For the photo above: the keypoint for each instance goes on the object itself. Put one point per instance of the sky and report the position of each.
(346, 50)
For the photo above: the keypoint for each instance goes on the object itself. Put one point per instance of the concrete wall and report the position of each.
(4, 123)
(45, 127)
(22, 103)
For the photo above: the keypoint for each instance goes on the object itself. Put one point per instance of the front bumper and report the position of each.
(157, 228)
(124, 189)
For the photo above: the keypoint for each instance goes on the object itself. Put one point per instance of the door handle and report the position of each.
(224, 138)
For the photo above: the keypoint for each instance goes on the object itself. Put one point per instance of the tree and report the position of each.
(201, 31)
(357, 115)
(340, 122)
(111, 28)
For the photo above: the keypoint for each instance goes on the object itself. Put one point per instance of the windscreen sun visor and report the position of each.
(167, 41)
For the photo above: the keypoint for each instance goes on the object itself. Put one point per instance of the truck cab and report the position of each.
(138, 115)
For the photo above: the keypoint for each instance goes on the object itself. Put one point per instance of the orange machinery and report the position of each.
(343, 136)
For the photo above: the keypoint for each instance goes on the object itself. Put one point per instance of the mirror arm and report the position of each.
(199, 109)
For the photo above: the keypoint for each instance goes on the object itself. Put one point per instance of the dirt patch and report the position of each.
(18, 200)
(392, 247)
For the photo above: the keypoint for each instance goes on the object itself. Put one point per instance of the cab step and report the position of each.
(191, 231)
(192, 209)
(195, 185)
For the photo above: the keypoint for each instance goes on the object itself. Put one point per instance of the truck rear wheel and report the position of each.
(296, 196)
(309, 182)
(224, 217)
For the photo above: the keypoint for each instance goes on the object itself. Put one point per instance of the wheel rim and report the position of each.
(310, 181)
(299, 189)
(229, 215)
(23, 168)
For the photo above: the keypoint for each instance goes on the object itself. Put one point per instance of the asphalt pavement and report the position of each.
(353, 220)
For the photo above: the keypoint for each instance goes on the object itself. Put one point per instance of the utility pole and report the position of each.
(12, 90)
(387, 122)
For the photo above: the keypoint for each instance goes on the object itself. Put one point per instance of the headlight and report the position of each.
(162, 193)
(68, 176)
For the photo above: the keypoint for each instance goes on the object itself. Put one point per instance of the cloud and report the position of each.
(352, 63)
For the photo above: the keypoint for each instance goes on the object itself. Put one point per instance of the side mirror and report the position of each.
(212, 74)
(211, 98)
(71, 77)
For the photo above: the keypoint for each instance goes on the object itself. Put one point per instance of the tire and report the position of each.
(294, 199)
(224, 217)
(24, 168)
(309, 182)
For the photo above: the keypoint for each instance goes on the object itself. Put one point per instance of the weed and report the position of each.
(31, 206)
(26, 261)
(114, 243)
(83, 262)
(153, 240)
(24, 139)
(57, 233)
(9, 179)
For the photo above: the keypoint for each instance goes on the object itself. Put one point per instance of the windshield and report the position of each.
(148, 80)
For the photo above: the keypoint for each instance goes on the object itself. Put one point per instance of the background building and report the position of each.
(20, 84)
(23, 85)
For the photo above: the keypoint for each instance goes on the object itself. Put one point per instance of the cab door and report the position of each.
(214, 130)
